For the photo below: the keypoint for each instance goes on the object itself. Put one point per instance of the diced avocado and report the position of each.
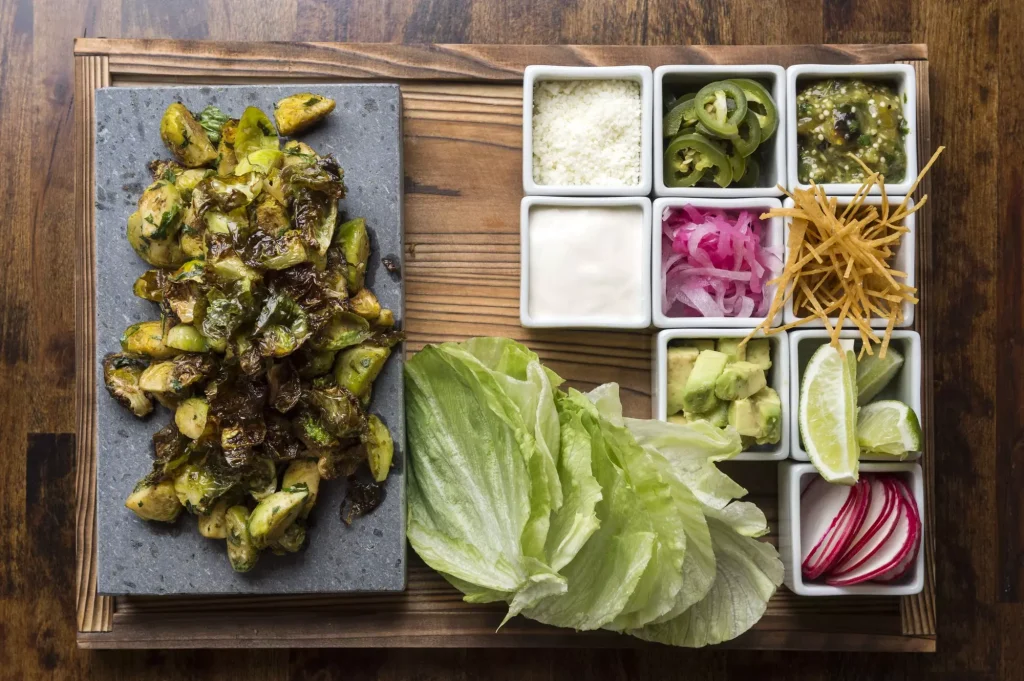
(747, 442)
(679, 419)
(700, 343)
(759, 352)
(680, 361)
(732, 349)
(699, 393)
(719, 416)
(743, 417)
(739, 380)
(769, 415)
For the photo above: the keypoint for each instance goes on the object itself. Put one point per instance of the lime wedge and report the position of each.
(888, 427)
(828, 415)
(873, 374)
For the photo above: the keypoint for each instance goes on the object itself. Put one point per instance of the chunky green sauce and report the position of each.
(836, 118)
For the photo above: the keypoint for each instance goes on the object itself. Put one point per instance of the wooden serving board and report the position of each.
(463, 159)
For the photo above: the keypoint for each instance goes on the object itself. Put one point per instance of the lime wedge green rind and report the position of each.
(889, 427)
(827, 415)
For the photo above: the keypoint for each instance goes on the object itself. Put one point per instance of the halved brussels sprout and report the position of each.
(338, 409)
(282, 326)
(272, 516)
(291, 541)
(185, 137)
(380, 448)
(185, 337)
(316, 216)
(313, 433)
(357, 368)
(197, 488)
(386, 318)
(241, 552)
(191, 244)
(231, 268)
(310, 363)
(355, 244)
(121, 376)
(260, 161)
(343, 330)
(271, 216)
(303, 471)
(149, 286)
(214, 524)
(261, 480)
(281, 252)
(231, 192)
(173, 376)
(147, 338)
(255, 132)
(192, 417)
(296, 152)
(340, 463)
(300, 111)
(154, 501)
(365, 304)
(187, 180)
(157, 252)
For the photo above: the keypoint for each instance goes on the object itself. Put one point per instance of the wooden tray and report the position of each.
(463, 184)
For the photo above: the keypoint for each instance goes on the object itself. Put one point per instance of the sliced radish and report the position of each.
(878, 525)
(890, 553)
(839, 539)
(904, 566)
(836, 526)
(821, 505)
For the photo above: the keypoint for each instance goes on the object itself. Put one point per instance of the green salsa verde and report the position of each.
(836, 118)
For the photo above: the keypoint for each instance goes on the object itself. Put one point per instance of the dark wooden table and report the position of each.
(975, 46)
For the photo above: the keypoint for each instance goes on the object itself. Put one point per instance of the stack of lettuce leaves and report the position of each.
(552, 502)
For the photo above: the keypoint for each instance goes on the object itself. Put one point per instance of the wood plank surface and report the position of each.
(976, 248)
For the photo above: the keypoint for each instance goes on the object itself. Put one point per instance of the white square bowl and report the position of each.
(793, 479)
(778, 380)
(900, 75)
(640, 321)
(773, 172)
(639, 74)
(774, 238)
(905, 260)
(905, 386)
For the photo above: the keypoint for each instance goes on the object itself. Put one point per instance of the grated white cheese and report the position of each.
(586, 132)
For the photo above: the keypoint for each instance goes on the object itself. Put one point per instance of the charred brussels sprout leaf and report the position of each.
(155, 501)
(280, 443)
(285, 387)
(298, 112)
(185, 137)
(146, 339)
(213, 120)
(343, 330)
(149, 286)
(355, 245)
(255, 132)
(361, 498)
(303, 471)
(121, 376)
(323, 175)
(242, 554)
(337, 408)
(192, 417)
(271, 216)
(197, 488)
(313, 432)
(173, 376)
(291, 541)
(340, 463)
(365, 304)
(310, 363)
(380, 448)
(316, 216)
(277, 253)
(260, 479)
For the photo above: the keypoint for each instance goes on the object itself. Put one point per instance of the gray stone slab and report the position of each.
(135, 557)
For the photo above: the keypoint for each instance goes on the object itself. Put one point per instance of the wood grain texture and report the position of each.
(462, 164)
(976, 111)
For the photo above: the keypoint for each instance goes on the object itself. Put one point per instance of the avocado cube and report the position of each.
(718, 417)
(732, 349)
(759, 352)
(699, 394)
(743, 417)
(679, 419)
(769, 415)
(701, 344)
(739, 380)
(680, 361)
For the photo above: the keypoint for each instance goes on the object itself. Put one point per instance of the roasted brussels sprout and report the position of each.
(261, 479)
(185, 137)
(197, 487)
(316, 216)
(385, 319)
(147, 339)
(296, 152)
(313, 433)
(226, 159)
(357, 368)
(121, 376)
(298, 112)
(285, 387)
(155, 501)
(278, 253)
(345, 329)
(355, 244)
(187, 180)
(191, 244)
(291, 541)
(149, 286)
(380, 448)
(311, 363)
(261, 160)
(365, 304)
(255, 132)
(213, 524)
(173, 376)
(303, 471)
(186, 338)
(241, 552)
(337, 408)
(272, 516)
(192, 417)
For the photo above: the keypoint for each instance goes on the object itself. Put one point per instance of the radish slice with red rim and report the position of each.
(890, 553)
(848, 524)
(878, 525)
(836, 526)
(821, 506)
(904, 566)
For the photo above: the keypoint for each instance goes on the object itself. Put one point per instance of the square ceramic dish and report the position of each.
(364, 133)
(900, 75)
(642, 320)
(773, 171)
(905, 386)
(905, 260)
(793, 479)
(639, 74)
(774, 238)
(778, 380)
